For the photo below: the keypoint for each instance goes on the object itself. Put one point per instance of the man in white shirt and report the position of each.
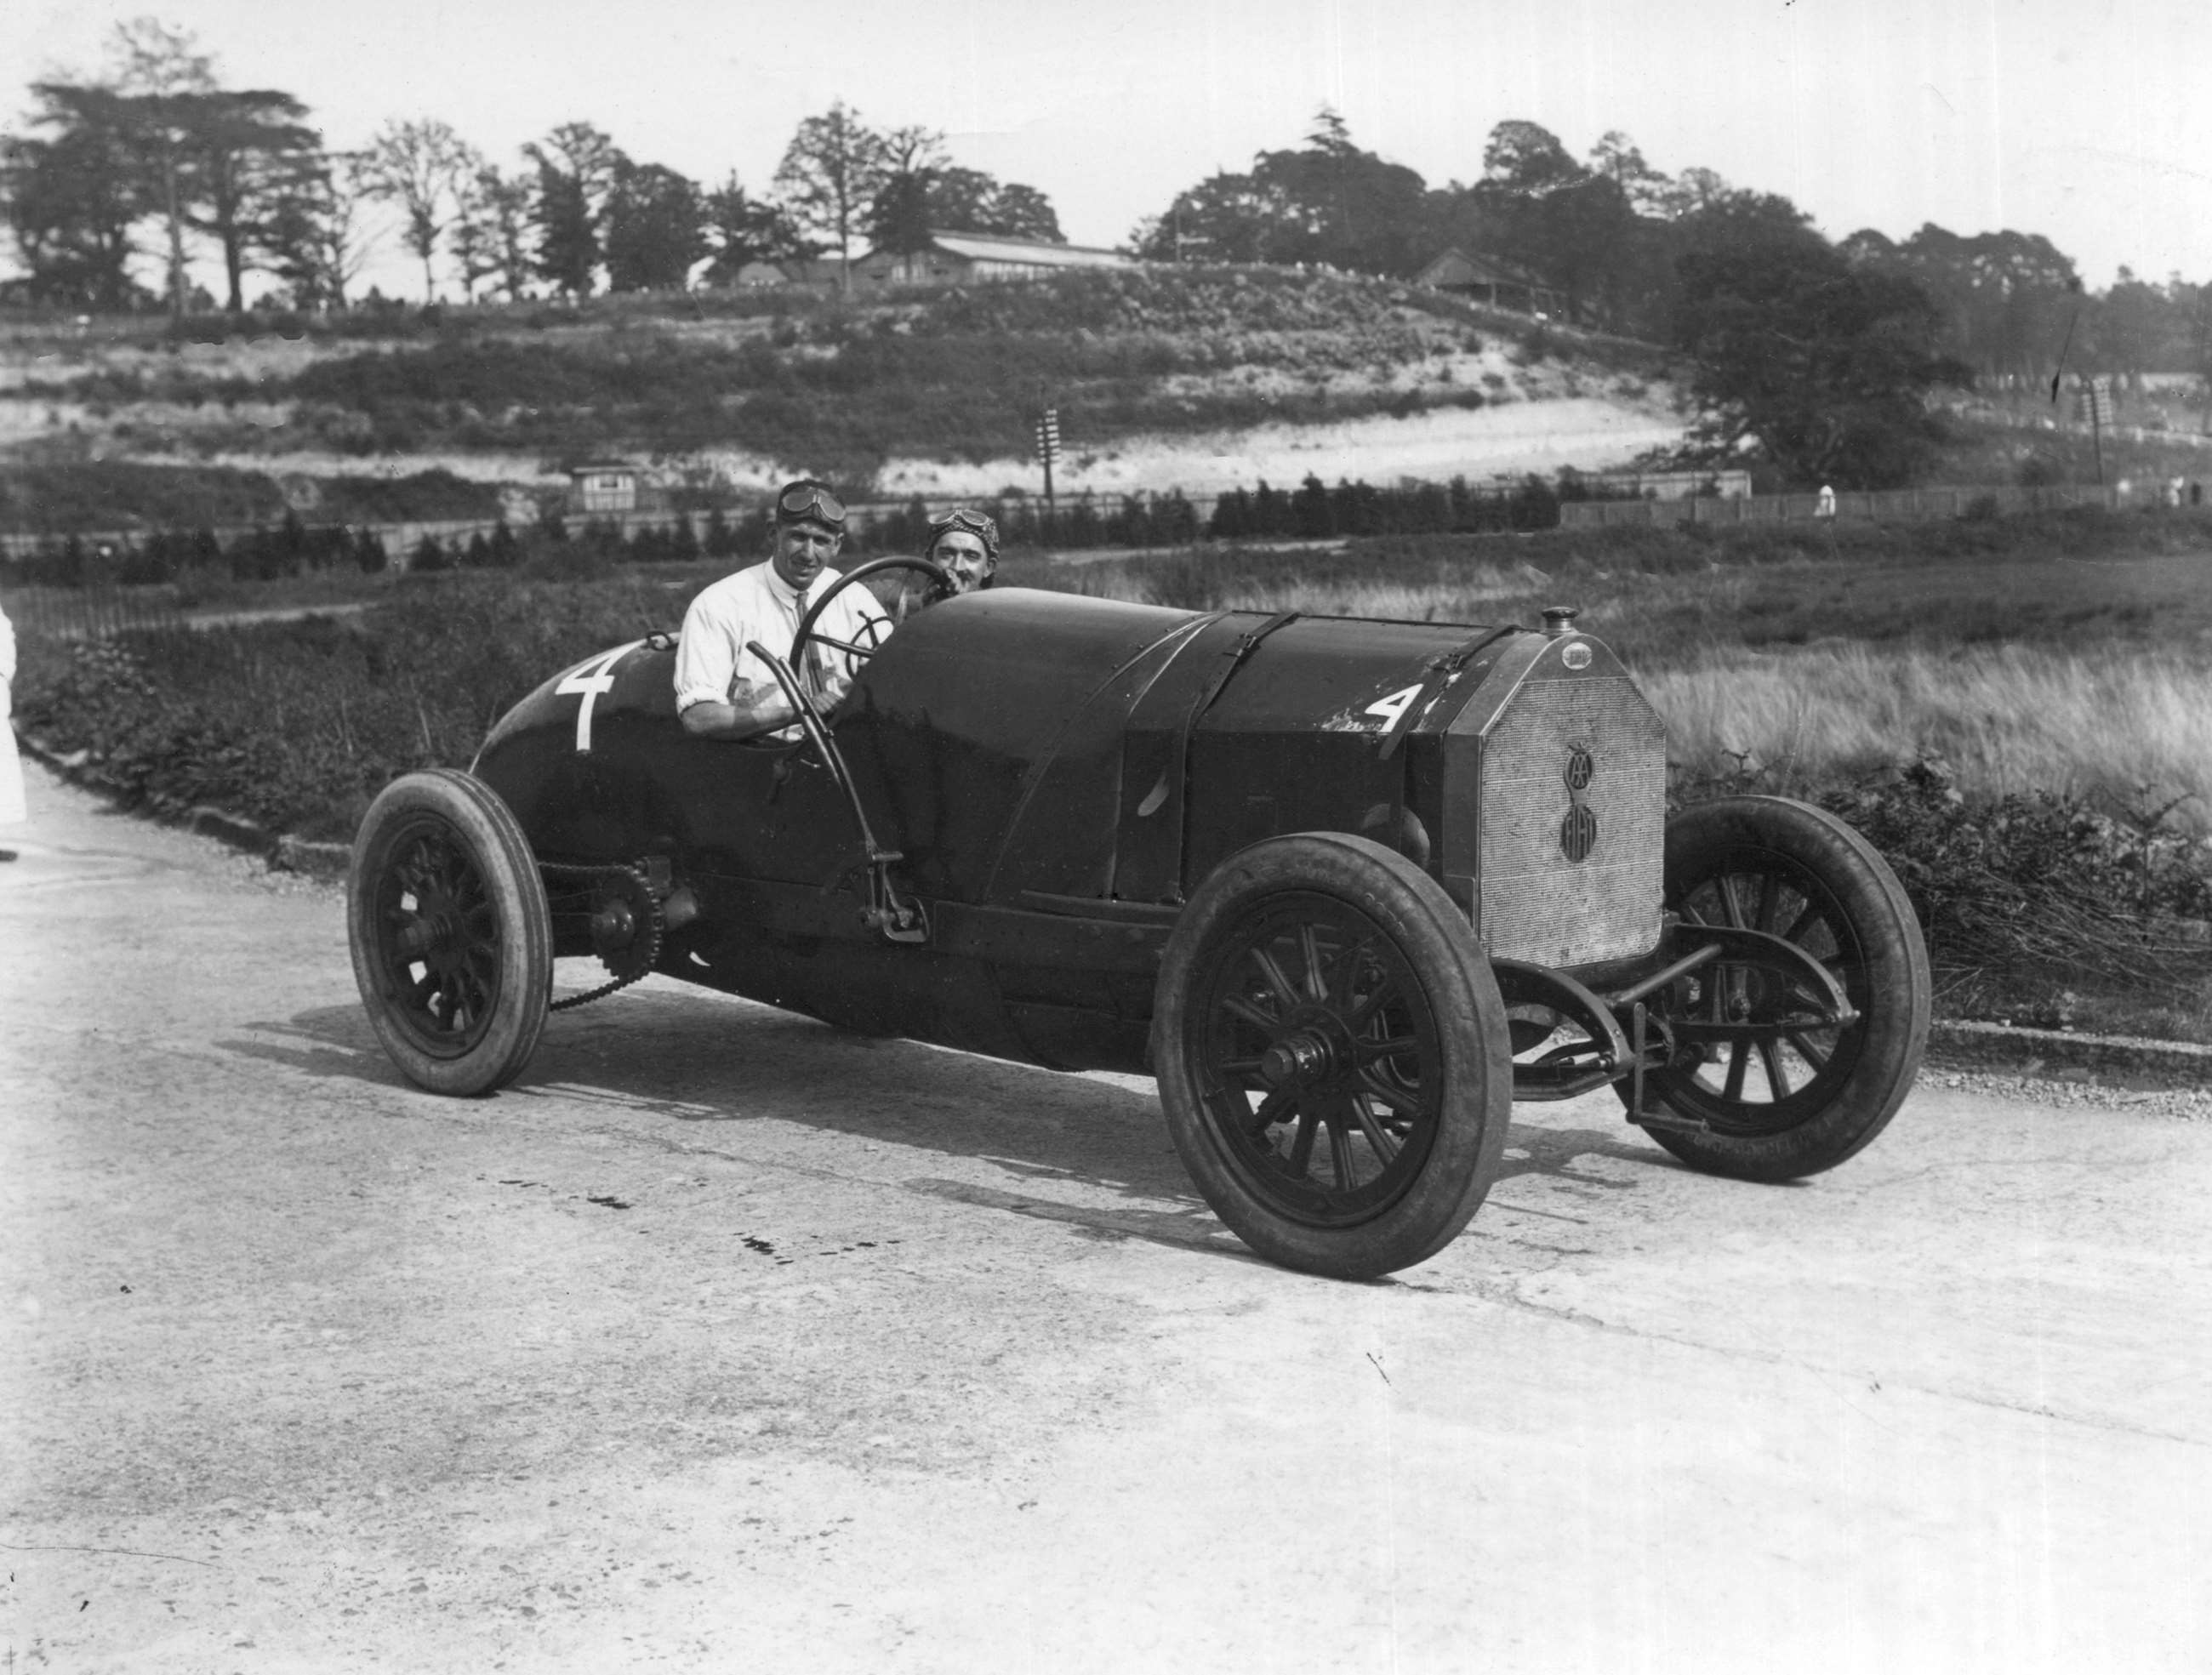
(724, 691)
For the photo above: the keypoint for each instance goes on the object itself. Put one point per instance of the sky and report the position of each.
(2084, 120)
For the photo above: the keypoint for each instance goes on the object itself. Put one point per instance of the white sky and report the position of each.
(2086, 120)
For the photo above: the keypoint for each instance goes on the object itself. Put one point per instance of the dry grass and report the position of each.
(2083, 679)
(2007, 719)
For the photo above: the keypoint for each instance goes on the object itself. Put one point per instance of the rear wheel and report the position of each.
(1332, 1055)
(1780, 1100)
(452, 943)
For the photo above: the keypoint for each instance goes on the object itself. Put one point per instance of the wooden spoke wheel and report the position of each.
(452, 939)
(1779, 1099)
(1332, 1055)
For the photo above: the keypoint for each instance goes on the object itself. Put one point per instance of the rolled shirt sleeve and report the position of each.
(712, 649)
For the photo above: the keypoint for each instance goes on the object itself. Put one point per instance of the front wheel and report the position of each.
(1332, 1055)
(1779, 1100)
(452, 938)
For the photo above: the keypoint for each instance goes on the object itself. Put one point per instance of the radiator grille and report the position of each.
(1539, 905)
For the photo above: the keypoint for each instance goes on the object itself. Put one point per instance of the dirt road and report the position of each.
(727, 1342)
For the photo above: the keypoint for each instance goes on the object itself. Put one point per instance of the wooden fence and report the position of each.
(85, 613)
(1894, 505)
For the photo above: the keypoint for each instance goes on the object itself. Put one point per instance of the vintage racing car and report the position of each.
(1347, 889)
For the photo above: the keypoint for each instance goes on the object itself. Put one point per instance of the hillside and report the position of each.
(1164, 377)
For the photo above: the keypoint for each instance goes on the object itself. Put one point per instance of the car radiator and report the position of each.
(1573, 819)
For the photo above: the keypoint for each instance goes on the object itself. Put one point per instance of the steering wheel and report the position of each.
(855, 654)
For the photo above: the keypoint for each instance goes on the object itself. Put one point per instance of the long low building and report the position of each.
(959, 258)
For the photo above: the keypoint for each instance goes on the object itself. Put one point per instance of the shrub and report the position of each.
(2049, 880)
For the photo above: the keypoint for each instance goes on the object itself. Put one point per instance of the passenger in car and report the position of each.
(723, 690)
(965, 542)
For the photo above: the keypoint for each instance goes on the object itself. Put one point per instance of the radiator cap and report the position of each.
(1560, 620)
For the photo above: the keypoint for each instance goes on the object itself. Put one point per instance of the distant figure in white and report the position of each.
(1826, 507)
(13, 809)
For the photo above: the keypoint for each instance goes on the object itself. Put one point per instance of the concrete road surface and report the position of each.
(728, 1342)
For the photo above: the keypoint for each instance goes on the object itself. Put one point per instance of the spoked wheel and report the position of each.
(452, 943)
(1332, 1055)
(1780, 1099)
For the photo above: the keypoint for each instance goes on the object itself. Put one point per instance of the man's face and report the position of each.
(965, 559)
(802, 549)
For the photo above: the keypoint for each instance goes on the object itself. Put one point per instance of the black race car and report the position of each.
(1348, 889)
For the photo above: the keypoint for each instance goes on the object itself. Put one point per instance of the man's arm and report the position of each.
(761, 708)
(712, 699)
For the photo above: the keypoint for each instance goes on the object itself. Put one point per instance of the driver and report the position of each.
(724, 691)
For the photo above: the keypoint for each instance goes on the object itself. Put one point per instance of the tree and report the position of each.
(421, 167)
(1525, 159)
(655, 227)
(1016, 211)
(1693, 188)
(900, 213)
(495, 224)
(1327, 201)
(73, 196)
(576, 165)
(474, 239)
(830, 176)
(250, 153)
(156, 137)
(2007, 299)
(315, 239)
(159, 79)
(1337, 204)
(1823, 367)
(1617, 159)
(952, 200)
(1226, 217)
(742, 229)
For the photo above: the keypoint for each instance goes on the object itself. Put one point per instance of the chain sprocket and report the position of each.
(630, 887)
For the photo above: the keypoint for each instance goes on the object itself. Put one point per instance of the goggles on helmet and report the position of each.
(809, 500)
(973, 522)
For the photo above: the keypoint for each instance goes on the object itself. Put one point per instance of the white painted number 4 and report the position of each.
(594, 677)
(1392, 708)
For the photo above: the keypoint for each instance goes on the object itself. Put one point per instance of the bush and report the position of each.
(2043, 880)
(297, 724)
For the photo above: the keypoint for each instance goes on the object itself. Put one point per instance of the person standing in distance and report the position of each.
(13, 811)
(724, 691)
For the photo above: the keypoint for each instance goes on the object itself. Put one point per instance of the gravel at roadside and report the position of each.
(2188, 1104)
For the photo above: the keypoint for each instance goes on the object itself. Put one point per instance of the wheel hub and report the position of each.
(1301, 1058)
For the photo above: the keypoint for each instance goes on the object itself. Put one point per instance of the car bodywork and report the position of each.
(1346, 888)
(1057, 773)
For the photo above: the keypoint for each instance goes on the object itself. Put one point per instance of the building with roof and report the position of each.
(1486, 279)
(962, 258)
(603, 485)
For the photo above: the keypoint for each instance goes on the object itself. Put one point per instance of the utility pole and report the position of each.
(1048, 443)
(2100, 414)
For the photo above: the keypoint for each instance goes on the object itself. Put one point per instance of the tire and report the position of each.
(1818, 1097)
(452, 943)
(1296, 962)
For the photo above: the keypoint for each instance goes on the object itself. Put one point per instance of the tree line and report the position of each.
(1821, 355)
(155, 156)
(1610, 233)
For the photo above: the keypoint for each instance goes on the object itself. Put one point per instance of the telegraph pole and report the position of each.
(1047, 445)
(2100, 394)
